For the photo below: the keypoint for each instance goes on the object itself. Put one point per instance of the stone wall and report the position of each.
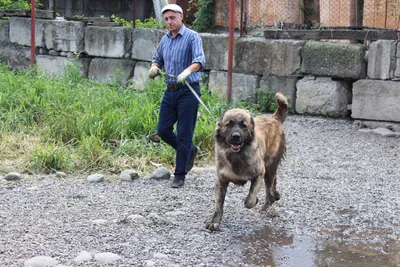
(319, 78)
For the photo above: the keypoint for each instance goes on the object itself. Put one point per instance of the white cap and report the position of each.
(172, 7)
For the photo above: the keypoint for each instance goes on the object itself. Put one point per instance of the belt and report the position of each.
(177, 86)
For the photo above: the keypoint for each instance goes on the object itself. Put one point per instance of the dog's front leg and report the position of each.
(220, 192)
(251, 199)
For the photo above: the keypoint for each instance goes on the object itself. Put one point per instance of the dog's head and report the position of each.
(235, 128)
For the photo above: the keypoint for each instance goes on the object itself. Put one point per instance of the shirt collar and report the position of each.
(181, 31)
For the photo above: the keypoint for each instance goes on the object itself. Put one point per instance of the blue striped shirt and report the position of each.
(176, 54)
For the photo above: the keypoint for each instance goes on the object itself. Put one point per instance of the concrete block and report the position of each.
(334, 59)
(57, 66)
(144, 43)
(216, 51)
(114, 42)
(140, 75)
(109, 70)
(285, 85)
(382, 59)
(18, 57)
(243, 85)
(4, 31)
(322, 96)
(20, 31)
(376, 100)
(268, 57)
(65, 35)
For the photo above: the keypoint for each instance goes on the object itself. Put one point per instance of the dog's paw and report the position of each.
(248, 203)
(212, 226)
(271, 211)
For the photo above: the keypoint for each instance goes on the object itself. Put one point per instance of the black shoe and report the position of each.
(193, 155)
(178, 182)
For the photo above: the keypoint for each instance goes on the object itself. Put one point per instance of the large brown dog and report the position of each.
(248, 149)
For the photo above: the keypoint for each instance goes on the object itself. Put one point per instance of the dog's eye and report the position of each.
(230, 124)
(242, 124)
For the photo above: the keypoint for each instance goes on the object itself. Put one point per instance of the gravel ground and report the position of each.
(339, 192)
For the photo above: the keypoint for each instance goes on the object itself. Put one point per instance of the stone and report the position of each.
(268, 57)
(64, 35)
(322, 96)
(95, 178)
(107, 257)
(376, 100)
(243, 85)
(111, 42)
(382, 59)
(129, 175)
(334, 59)
(145, 42)
(82, 257)
(161, 174)
(12, 176)
(40, 261)
(60, 174)
(109, 70)
(216, 51)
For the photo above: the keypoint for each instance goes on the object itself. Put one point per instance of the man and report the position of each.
(180, 53)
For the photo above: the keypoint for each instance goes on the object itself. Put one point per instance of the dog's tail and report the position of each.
(282, 110)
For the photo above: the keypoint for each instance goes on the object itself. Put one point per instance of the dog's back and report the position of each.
(269, 131)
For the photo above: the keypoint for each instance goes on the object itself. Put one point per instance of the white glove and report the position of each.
(154, 71)
(182, 77)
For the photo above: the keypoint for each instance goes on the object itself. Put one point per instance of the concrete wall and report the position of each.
(319, 78)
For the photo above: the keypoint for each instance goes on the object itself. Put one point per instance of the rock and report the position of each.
(161, 174)
(99, 221)
(160, 256)
(107, 257)
(83, 256)
(40, 261)
(129, 175)
(175, 213)
(60, 174)
(13, 176)
(95, 178)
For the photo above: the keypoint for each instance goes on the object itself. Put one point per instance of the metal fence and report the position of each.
(126, 9)
(311, 14)
(249, 14)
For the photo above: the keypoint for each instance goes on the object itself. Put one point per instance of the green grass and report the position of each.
(69, 124)
(75, 125)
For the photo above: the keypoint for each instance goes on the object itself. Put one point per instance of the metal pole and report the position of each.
(134, 14)
(33, 32)
(54, 9)
(230, 48)
(241, 17)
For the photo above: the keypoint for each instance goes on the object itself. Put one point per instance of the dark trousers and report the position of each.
(179, 106)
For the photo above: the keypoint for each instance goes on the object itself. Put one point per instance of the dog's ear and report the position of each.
(218, 125)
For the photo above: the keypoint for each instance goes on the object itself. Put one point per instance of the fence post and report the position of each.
(33, 32)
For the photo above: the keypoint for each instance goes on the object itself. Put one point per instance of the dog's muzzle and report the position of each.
(235, 142)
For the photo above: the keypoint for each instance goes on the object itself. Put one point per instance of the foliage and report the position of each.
(10, 4)
(147, 23)
(205, 15)
(74, 119)
(262, 101)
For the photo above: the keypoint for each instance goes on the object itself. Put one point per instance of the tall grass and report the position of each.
(74, 121)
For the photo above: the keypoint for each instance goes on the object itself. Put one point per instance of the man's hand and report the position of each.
(182, 77)
(154, 71)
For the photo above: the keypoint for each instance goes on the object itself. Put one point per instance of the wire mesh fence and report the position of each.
(297, 14)
(126, 9)
(311, 14)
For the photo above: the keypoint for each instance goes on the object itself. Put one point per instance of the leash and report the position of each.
(192, 90)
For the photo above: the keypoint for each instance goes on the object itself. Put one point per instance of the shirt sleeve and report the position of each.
(197, 51)
(158, 58)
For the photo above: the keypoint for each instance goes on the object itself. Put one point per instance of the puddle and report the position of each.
(270, 248)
